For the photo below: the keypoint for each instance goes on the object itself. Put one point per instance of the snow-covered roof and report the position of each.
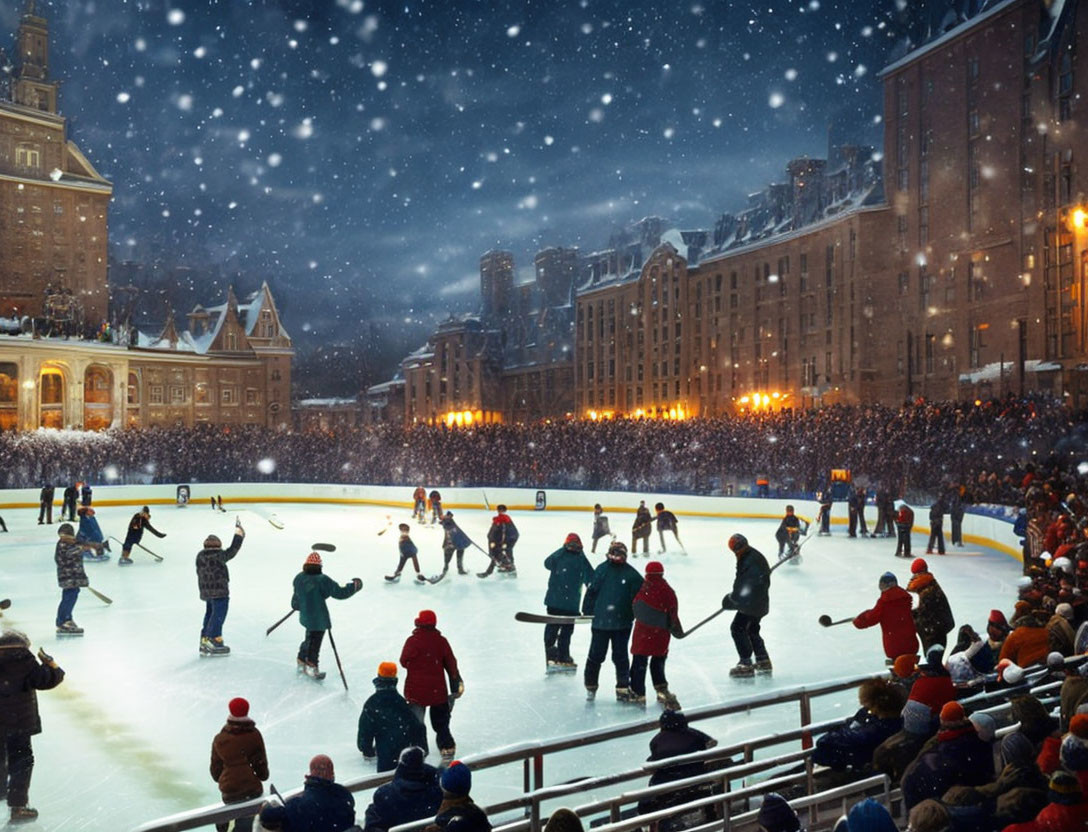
(991, 372)
(384, 387)
(330, 402)
(989, 9)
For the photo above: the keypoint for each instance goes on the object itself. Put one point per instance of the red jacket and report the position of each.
(655, 611)
(905, 516)
(1055, 818)
(425, 656)
(892, 613)
(933, 691)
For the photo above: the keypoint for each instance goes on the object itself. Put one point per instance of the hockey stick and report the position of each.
(388, 525)
(825, 621)
(103, 598)
(709, 618)
(336, 653)
(541, 618)
(158, 558)
(323, 547)
(487, 505)
(274, 626)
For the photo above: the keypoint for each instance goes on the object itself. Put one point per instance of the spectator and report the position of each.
(776, 815)
(323, 806)
(1059, 630)
(564, 820)
(675, 738)
(898, 751)
(239, 764)
(387, 724)
(1028, 643)
(959, 757)
(1066, 810)
(932, 617)
(851, 745)
(412, 794)
(457, 812)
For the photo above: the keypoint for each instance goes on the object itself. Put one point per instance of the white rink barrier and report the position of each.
(978, 530)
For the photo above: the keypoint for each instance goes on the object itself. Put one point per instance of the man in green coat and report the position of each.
(570, 571)
(311, 588)
(609, 600)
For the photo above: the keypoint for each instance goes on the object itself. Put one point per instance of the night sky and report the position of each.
(362, 155)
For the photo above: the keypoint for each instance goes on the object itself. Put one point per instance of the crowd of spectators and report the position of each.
(910, 451)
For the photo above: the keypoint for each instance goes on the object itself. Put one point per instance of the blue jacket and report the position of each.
(852, 744)
(89, 529)
(387, 722)
(570, 571)
(454, 536)
(411, 795)
(323, 806)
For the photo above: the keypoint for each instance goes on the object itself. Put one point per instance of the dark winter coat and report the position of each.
(310, 592)
(852, 744)
(674, 739)
(751, 586)
(897, 752)
(503, 532)
(410, 795)
(666, 521)
(656, 617)
(643, 524)
(455, 538)
(69, 559)
(600, 527)
(388, 723)
(893, 613)
(429, 660)
(239, 764)
(46, 494)
(570, 571)
(85, 495)
(89, 529)
(1055, 817)
(70, 495)
(212, 575)
(323, 806)
(611, 594)
(407, 548)
(960, 758)
(459, 814)
(21, 675)
(136, 528)
(790, 521)
(932, 617)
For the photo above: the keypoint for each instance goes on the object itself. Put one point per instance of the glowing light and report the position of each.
(1079, 217)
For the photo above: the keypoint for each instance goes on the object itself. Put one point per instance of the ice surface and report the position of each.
(127, 736)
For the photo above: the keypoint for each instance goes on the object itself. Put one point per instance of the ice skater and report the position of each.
(85, 493)
(569, 570)
(419, 504)
(641, 529)
(788, 529)
(68, 505)
(91, 532)
(311, 589)
(453, 540)
(213, 581)
(666, 522)
(408, 552)
(750, 597)
(436, 506)
(239, 762)
(45, 504)
(429, 660)
(501, 538)
(656, 619)
(600, 526)
(609, 600)
(68, 556)
(136, 526)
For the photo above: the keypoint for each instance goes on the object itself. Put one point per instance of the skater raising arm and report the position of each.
(213, 581)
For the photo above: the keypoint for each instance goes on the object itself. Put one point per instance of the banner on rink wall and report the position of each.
(541, 501)
(183, 496)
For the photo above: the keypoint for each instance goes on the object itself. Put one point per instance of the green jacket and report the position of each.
(309, 599)
(570, 570)
(611, 596)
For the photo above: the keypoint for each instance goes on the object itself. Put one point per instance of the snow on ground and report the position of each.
(127, 736)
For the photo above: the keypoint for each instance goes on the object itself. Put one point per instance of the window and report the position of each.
(923, 224)
(972, 123)
(28, 156)
(972, 70)
(931, 341)
(923, 289)
(975, 282)
(228, 395)
(177, 394)
(903, 179)
(155, 395)
(1065, 86)
(200, 393)
(253, 396)
(904, 283)
(133, 398)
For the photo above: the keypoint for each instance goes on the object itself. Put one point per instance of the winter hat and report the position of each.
(904, 665)
(1009, 672)
(961, 670)
(238, 707)
(1062, 564)
(776, 815)
(985, 726)
(918, 565)
(672, 721)
(1055, 661)
(564, 820)
(457, 779)
(1074, 748)
(917, 718)
(1021, 609)
(573, 540)
(65, 529)
(387, 670)
(1065, 611)
(929, 816)
(321, 766)
(1016, 748)
(212, 542)
(312, 559)
(500, 508)
(403, 527)
(411, 760)
(887, 579)
(738, 543)
(869, 815)
(1064, 788)
(952, 714)
(935, 654)
(997, 619)
(617, 551)
(655, 567)
(426, 618)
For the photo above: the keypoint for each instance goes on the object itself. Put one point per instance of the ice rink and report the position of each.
(127, 736)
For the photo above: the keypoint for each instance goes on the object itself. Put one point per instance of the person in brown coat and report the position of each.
(239, 764)
(1059, 630)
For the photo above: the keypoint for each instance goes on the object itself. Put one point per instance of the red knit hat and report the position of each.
(312, 559)
(997, 618)
(321, 766)
(426, 618)
(655, 567)
(919, 565)
(952, 712)
(1078, 725)
(572, 538)
(904, 665)
(387, 670)
(238, 707)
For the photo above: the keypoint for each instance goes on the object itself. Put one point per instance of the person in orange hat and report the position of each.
(932, 617)
(429, 660)
(387, 724)
(311, 589)
(960, 758)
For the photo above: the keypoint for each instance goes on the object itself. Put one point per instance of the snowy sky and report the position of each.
(376, 149)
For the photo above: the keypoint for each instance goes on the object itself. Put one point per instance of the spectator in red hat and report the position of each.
(312, 588)
(429, 660)
(959, 758)
(239, 763)
(656, 619)
(892, 612)
(569, 570)
(932, 617)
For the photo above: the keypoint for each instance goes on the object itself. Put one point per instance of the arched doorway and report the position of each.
(9, 396)
(51, 398)
(97, 398)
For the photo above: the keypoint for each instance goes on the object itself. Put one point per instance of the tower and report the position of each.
(32, 87)
(496, 283)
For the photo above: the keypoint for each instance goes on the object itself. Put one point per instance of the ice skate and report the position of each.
(667, 698)
(461, 571)
(69, 628)
(628, 696)
(764, 667)
(218, 647)
(23, 814)
(421, 578)
(123, 561)
(743, 670)
(393, 578)
(448, 754)
(205, 646)
(311, 669)
(591, 692)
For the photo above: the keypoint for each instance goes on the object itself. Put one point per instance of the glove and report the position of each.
(727, 602)
(45, 658)
(457, 694)
(358, 583)
(239, 531)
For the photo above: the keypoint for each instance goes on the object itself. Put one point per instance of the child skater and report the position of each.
(408, 552)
